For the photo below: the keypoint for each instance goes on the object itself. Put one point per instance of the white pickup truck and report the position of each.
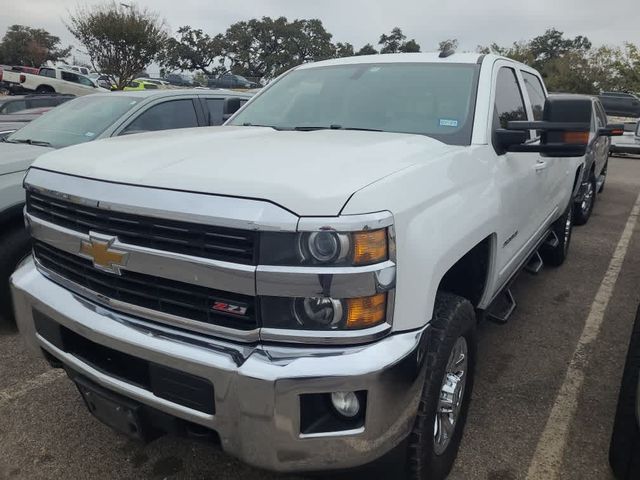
(51, 80)
(306, 280)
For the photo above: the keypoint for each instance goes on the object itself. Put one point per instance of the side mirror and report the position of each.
(611, 130)
(565, 128)
(231, 106)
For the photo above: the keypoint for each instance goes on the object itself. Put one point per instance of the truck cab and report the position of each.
(305, 280)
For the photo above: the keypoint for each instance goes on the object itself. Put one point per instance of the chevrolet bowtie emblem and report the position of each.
(105, 258)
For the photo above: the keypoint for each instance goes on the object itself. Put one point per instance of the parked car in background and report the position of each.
(230, 80)
(595, 161)
(16, 103)
(102, 80)
(141, 84)
(75, 68)
(82, 120)
(158, 81)
(620, 104)
(624, 450)
(178, 80)
(15, 121)
(51, 80)
(629, 143)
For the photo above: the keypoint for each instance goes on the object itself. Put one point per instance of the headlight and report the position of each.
(324, 313)
(325, 247)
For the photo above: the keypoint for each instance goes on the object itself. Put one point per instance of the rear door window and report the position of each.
(536, 94)
(165, 116)
(215, 108)
(509, 102)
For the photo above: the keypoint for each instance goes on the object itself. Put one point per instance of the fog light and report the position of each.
(346, 403)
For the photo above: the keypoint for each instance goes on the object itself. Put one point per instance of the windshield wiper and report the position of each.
(29, 141)
(249, 124)
(334, 127)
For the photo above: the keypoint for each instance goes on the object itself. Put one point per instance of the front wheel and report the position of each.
(450, 364)
(45, 89)
(563, 227)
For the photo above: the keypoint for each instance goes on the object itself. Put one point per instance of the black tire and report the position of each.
(45, 89)
(582, 211)
(454, 318)
(624, 451)
(555, 256)
(14, 246)
(604, 176)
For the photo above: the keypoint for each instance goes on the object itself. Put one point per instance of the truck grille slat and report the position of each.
(199, 240)
(168, 296)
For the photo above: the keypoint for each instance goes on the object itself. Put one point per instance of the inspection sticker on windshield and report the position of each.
(89, 134)
(444, 122)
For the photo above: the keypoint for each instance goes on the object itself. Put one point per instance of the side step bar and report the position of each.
(501, 308)
(535, 263)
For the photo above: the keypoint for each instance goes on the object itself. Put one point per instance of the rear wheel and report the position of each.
(582, 210)
(450, 364)
(45, 89)
(555, 256)
(624, 451)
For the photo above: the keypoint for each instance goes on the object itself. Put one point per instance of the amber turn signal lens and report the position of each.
(579, 138)
(370, 247)
(366, 312)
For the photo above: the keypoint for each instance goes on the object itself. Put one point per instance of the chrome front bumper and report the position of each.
(257, 387)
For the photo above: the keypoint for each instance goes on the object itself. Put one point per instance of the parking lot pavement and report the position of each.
(45, 431)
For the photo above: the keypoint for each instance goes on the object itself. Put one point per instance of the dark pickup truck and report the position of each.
(620, 104)
(229, 80)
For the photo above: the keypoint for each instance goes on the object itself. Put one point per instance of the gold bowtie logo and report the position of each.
(98, 249)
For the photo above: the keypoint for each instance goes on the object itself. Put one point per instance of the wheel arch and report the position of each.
(469, 276)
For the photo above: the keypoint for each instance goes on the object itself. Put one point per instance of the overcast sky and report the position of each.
(472, 22)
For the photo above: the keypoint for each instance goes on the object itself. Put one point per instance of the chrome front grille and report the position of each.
(198, 240)
(178, 299)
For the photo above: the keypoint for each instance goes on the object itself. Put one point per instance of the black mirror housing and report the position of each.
(565, 128)
(612, 130)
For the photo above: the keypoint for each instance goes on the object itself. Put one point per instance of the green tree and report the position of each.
(22, 45)
(267, 47)
(194, 50)
(344, 50)
(449, 44)
(396, 42)
(367, 50)
(120, 41)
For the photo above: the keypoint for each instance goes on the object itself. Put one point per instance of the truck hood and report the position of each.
(16, 157)
(308, 173)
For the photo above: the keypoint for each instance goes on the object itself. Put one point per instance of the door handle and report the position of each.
(540, 165)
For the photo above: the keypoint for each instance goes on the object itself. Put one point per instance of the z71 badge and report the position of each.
(229, 308)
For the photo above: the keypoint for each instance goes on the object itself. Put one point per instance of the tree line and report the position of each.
(123, 40)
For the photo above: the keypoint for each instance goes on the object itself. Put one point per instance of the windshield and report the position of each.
(80, 120)
(431, 99)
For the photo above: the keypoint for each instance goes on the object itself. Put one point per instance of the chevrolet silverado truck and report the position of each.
(50, 80)
(304, 282)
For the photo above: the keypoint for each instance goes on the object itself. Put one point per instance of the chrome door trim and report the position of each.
(203, 208)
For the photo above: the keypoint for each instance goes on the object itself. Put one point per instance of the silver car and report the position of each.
(629, 143)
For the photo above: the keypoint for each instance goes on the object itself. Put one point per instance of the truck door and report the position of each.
(519, 177)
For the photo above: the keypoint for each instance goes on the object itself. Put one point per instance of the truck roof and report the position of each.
(430, 57)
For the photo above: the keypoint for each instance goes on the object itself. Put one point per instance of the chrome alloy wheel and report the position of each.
(451, 396)
(587, 200)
